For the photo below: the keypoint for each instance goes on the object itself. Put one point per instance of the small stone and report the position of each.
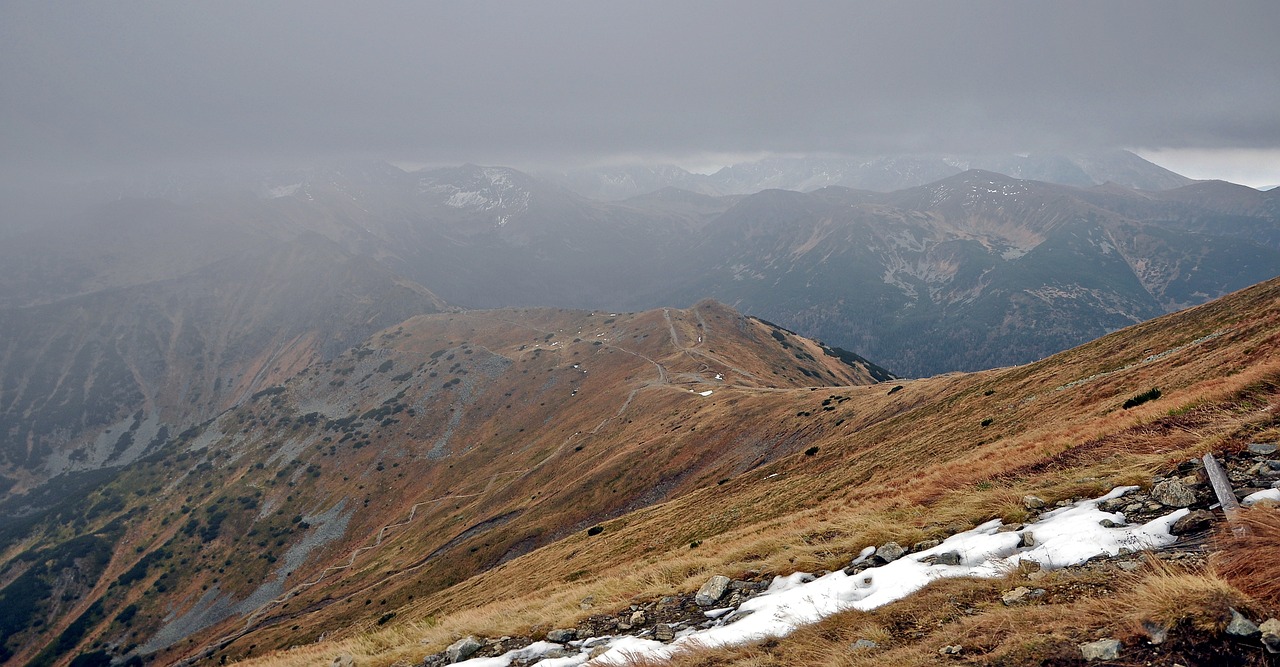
(1026, 539)
(1262, 448)
(1020, 595)
(890, 552)
(864, 645)
(947, 558)
(344, 660)
(462, 649)
(738, 615)
(1114, 504)
(597, 652)
(1241, 626)
(1103, 649)
(663, 632)
(1108, 523)
(587, 602)
(953, 649)
(1271, 635)
(711, 591)
(1156, 633)
(1193, 522)
(1128, 565)
(925, 545)
(1172, 493)
(562, 635)
(1010, 528)
(638, 617)
(1032, 502)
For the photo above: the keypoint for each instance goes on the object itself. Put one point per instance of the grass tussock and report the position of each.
(1251, 560)
(1171, 597)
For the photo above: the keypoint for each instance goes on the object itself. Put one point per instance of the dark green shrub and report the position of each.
(1149, 395)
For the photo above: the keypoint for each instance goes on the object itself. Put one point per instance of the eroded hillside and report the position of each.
(443, 447)
(881, 463)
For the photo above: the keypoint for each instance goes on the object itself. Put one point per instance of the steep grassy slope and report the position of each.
(443, 447)
(922, 461)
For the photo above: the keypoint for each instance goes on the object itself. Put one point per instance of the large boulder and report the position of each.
(1103, 649)
(712, 591)
(1173, 493)
(462, 649)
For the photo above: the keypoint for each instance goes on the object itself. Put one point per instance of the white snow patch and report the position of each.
(283, 191)
(1067, 536)
(1269, 494)
(703, 393)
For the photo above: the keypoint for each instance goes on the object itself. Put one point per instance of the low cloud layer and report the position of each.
(90, 86)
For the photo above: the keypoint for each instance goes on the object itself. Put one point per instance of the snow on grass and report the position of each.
(1066, 536)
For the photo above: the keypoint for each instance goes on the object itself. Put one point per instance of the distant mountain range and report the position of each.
(163, 311)
(881, 173)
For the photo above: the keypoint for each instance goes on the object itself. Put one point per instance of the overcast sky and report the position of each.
(107, 85)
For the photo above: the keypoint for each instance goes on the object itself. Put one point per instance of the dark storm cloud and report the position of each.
(103, 84)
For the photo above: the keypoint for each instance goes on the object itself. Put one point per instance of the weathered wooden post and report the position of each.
(1226, 496)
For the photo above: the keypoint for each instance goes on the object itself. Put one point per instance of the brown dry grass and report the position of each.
(904, 467)
(1250, 560)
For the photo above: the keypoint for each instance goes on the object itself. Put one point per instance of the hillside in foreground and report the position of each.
(442, 447)
(936, 457)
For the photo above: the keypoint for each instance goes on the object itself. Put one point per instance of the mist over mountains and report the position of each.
(881, 173)
(257, 320)
(166, 301)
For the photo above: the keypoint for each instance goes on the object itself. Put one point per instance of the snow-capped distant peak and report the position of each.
(479, 189)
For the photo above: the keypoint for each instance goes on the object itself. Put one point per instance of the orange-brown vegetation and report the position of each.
(1249, 558)
(941, 454)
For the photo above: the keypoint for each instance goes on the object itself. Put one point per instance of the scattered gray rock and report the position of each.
(434, 660)
(1128, 565)
(1172, 493)
(638, 617)
(890, 552)
(562, 635)
(953, 649)
(1241, 626)
(1021, 595)
(462, 649)
(587, 602)
(947, 558)
(1156, 633)
(864, 645)
(1108, 523)
(1263, 448)
(924, 545)
(1271, 635)
(1026, 539)
(738, 615)
(711, 591)
(344, 660)
(597, 652)
(1033, 502)
(663, 632)
(1194, 522)
(1115, 504)
(1103, 649)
